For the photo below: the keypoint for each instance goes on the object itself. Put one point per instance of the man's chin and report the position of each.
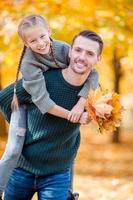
(79, 71)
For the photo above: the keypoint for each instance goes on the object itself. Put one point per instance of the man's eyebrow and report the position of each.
(91, 51)
(78, 47)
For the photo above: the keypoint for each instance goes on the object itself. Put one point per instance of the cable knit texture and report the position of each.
(51, 142)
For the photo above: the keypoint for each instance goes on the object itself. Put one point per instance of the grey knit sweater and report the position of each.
(32, 67)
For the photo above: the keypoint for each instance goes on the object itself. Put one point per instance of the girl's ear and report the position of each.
(49, 31)
(25, 44)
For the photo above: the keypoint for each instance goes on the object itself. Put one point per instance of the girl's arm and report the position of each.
(91, 83)
(6, 96)
(34, 81)
(32, 67)
(59, 111)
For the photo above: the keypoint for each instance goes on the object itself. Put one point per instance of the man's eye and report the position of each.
(78, 50)
(90, 54)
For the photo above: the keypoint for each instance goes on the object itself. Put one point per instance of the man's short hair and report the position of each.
(92, 36)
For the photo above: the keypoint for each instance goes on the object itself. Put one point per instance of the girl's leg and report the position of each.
(14, 146)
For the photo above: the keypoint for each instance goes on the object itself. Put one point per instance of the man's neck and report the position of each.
(74, 78)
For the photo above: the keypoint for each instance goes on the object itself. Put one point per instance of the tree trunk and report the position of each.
(116, 136)
(117, 74)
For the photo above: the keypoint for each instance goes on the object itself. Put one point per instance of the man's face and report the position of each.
(83, 55)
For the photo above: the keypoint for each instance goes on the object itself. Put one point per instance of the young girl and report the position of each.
(40, 53)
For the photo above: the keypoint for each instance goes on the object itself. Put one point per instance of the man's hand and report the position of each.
(84, 119)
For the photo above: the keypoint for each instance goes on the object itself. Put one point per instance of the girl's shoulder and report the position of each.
(60, 44)
(61, 50)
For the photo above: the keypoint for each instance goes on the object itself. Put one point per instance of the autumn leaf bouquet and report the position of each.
(104, 109)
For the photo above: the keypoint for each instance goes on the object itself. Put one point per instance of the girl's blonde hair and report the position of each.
(27, 22)
(30, 21)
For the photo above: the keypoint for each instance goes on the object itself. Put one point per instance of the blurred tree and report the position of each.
(117, 18)
(113, 20)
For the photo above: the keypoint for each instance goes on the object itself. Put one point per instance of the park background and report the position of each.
(103, 168)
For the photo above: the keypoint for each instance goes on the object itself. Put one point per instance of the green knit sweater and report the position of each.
(51, 142)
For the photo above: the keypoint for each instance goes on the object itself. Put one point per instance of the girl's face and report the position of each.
(38, 39)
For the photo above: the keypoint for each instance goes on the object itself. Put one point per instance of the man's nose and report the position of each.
(83, 55)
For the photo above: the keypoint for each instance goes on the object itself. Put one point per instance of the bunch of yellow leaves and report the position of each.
(104, 110)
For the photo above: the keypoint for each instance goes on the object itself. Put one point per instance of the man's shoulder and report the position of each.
(52, 72)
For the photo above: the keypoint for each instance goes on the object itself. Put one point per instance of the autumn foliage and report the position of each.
(104, 109)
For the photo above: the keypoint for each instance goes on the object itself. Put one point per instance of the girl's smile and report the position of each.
(38, 39)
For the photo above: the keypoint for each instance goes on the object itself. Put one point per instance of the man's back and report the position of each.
(51, 142)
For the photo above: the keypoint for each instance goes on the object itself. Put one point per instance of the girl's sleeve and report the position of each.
(34, 82)
(61, 49)
(6, 96)
(91, 83)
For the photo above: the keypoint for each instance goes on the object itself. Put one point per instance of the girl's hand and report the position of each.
(75, 114)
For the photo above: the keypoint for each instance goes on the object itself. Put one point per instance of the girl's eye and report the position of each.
(33, 41)
(42, 36)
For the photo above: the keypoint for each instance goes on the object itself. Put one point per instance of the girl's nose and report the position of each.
(40, 43)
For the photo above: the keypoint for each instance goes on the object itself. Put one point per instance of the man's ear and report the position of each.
(99, 58)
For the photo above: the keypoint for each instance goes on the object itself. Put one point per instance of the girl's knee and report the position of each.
(12, 151)
(14, 147)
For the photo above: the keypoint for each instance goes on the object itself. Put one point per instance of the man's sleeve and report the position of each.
(6, 96)
(91, 83)
(34, 82)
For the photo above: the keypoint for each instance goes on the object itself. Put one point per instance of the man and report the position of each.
(51, 142)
